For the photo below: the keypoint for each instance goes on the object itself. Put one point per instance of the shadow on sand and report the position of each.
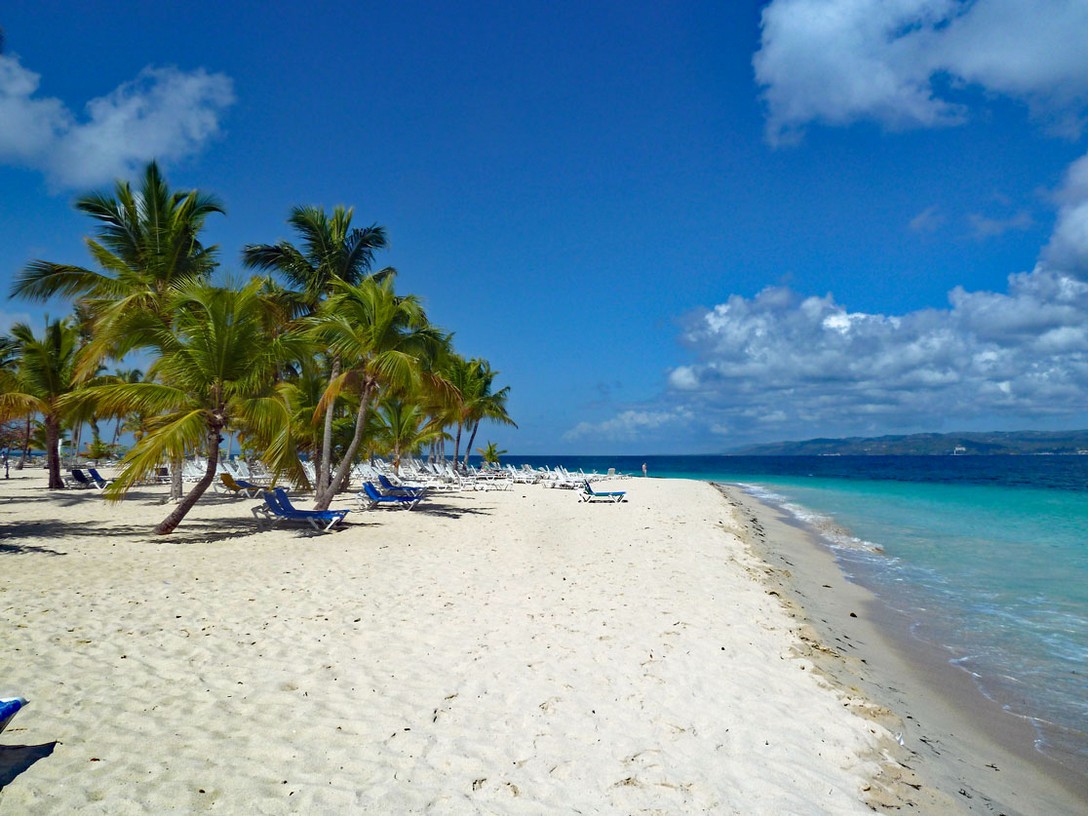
(14, 759)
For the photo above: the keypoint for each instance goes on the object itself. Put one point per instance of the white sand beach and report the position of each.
(494, 652)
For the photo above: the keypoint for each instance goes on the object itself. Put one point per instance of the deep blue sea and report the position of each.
(987, 555)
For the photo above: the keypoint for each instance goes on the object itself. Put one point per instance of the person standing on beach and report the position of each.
(643, 470)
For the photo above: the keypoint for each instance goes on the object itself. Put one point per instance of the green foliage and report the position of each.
(491, 453)
(319, 355)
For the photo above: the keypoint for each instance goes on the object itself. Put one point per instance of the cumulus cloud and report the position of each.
(162, 114)
(780, 362)
(630, 424)
(901, 62)
(1068, 247)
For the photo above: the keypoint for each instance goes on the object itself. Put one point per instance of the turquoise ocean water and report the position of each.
(987, 556)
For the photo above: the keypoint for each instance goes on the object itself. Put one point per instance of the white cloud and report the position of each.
(782, 363)
(1068, 247)
(900, 62)
(163, 114)
(928, 220)
(628, 425)
(985, 227)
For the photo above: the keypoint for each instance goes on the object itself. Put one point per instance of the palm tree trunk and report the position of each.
(457, 446)
(325, 459)
(168, 524)
(177, 464)
(325, 499)
(26, 446)
(52, 452)
(471, 439)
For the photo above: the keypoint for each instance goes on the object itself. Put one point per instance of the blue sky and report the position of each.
(673, 230)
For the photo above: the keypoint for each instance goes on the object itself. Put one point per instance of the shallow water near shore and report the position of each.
(987, 556)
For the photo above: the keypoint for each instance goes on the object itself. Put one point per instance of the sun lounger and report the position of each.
(277, 507)
(100, 482)
(9, 707)
(240, 487)
(81, 479)
(390, 489)
(591, 495)
(370, 497)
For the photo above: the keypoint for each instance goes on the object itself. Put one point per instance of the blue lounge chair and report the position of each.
(100, 482)
(81, 479)
(370, 497)
(277, 507)
(9, 707)
(591, 495)
(390, 489)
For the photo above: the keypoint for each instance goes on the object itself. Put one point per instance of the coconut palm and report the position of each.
(124, 375)
(46, 375)
(491, 453)
(146, 246)
(485, 404)
(473, 380)
(331, 251)
(403, 428)
(383, 340)
(216, 366)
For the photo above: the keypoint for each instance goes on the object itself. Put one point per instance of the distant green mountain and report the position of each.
(932, 444)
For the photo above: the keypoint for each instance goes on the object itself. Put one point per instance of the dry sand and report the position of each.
(514, 652)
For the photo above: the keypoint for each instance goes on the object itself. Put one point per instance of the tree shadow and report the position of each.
(14, 759)
(432, 508)
(25, 549)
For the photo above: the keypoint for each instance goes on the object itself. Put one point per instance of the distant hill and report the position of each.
(932, 444)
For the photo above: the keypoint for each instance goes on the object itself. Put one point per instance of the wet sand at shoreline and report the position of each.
(958, 740)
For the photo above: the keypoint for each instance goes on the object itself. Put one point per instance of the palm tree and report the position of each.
(124, 375)
(491, 453)
(216, 366)
(476, 402)
(147, 245)
(382, 339)
(331, 252)
(46, 375)
(403, 429)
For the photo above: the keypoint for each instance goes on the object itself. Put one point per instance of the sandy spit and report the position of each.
(497, 652)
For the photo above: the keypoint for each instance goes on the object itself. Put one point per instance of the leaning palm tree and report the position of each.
(146, 246)
(383, 340)
(46, 375)
(216, 366)
(331, 252)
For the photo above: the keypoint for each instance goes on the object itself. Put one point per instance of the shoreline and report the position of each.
(956, 739)
(516, 651)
